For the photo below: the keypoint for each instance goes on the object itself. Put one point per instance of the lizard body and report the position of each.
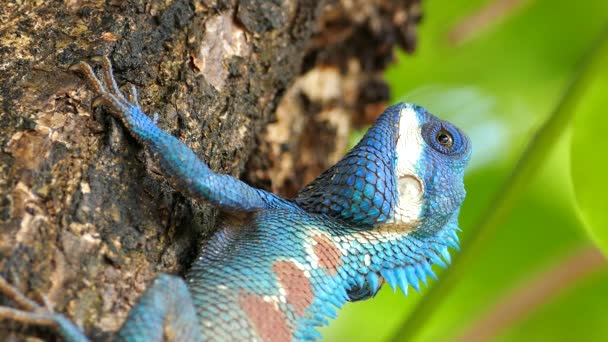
(278, 268)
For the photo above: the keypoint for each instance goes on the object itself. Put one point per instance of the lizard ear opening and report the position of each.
(362, 187)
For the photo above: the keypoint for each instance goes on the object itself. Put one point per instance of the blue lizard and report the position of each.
(278, 268)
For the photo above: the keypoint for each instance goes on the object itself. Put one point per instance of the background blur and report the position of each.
(497, 69)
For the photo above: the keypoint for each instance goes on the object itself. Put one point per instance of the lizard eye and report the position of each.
(444, 137)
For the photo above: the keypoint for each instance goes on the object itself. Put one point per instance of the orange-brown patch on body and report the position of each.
(268, 321)
(296, 285)
(327, 253)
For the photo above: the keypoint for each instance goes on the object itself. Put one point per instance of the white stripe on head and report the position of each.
(410, 187)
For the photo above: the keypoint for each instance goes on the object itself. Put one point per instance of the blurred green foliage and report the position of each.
(590, 158)
(500, 84)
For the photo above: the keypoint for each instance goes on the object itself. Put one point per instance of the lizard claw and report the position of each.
(108, 93)
(132, 95)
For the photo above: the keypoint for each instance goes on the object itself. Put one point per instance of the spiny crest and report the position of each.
(412, 274)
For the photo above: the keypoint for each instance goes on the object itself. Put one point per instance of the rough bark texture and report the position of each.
(85, 220)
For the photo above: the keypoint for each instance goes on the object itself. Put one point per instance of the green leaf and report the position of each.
(589, 161)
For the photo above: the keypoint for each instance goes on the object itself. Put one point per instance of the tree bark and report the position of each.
(85, 219)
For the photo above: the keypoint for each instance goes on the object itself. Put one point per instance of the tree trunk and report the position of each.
(85, 219)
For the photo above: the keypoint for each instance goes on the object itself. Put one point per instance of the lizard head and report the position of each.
(428, 164)
(398, 193)
(430, 159)
(408, 168)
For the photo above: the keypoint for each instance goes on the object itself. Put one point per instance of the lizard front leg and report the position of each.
(183, 168)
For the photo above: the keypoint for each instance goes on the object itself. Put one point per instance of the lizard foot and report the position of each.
(107, 90)
(126, 106)
(31, 314)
